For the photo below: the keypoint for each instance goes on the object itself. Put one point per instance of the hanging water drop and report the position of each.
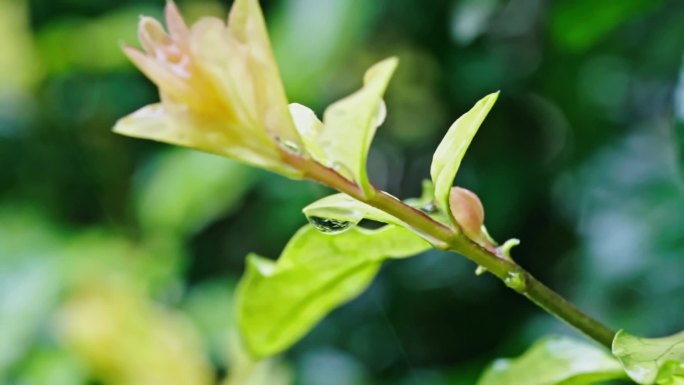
(290, 147)
(429, 208)
(341, 169)
(329, 225)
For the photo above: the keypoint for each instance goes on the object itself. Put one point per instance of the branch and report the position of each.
(512, 274)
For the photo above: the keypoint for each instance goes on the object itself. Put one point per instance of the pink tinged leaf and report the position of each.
(152, 35)
(175, 22)
(158, 73)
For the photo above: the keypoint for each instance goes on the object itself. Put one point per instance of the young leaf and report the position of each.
(350, 123)
(555, 361)
(651, 360)
(426, 198)
(309, 128)
(278, 302)
(449, 153)
(342, 207)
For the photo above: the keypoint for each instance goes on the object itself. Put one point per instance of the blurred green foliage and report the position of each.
(116, 254)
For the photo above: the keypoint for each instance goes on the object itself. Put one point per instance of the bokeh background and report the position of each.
(118, 257)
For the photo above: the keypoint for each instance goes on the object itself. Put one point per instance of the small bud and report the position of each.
(468, 212)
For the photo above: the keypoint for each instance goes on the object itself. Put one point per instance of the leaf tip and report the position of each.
(385, 67)
(492, 98)
(393, 61)
(615, 348)
(259, 265)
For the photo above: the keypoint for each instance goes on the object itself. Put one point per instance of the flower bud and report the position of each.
(220, 88)
(468, 212)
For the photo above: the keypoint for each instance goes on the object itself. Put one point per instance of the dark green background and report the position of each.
(580, 159)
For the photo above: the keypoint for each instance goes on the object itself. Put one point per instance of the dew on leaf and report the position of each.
(290, 147)
(329, 225)
(341, 169)
(429, 208)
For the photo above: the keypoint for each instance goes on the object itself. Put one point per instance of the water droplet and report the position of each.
(290, 147)
(429, 208)
(341, 169)
(329, 225)
(515, 281)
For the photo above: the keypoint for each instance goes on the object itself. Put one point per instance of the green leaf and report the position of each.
(279, 302)
(651, 360)
(555, 361)
(185, 189)
(350, 124)
(246, 370)
(309, 128)
(450, 152)
(342, 207)
(426, 198)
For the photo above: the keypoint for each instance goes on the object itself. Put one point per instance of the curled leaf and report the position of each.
(341, 212)
(450, 152)
(342, 207)
(350, 123)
